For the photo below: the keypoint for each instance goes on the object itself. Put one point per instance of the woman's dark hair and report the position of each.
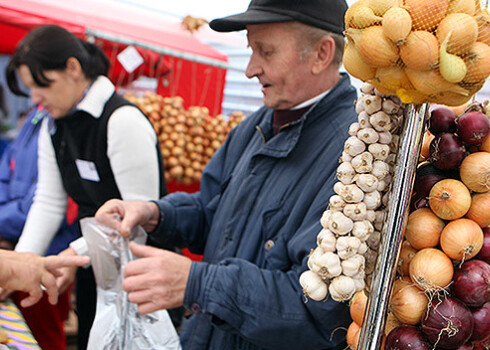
(48, 48)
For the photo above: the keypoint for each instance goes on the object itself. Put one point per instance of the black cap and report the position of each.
(324, 14)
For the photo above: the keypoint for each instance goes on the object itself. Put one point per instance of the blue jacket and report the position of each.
(18, 179)
(255, 220)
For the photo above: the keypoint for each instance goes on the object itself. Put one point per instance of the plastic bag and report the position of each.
(118, 324)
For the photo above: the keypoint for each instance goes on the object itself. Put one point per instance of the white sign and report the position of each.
(130, 59)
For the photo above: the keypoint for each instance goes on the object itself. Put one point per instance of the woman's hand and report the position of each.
(123, 216)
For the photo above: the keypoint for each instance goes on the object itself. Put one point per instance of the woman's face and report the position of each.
(62, 94)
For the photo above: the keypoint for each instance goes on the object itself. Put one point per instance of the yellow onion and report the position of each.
(452, 67)
(381, 6)
(363, 17)
(412, 96)
(392, 78)
(449, 98)
(420, 50)
(461, 239)
(352, 337)
(464, 30)
(431, 269)
(431, 82)
(355, 65)
(397, 24)
(375, 48)
(483, 21)
(423, 229)
(480, 209)
(352, 10)
(408, 303)
(426, 15)
(462, 6)
(478, 63)
(485, 146)
(357, 307)
(407, 252)
(449, 199)
(391, 323)
(475, 171)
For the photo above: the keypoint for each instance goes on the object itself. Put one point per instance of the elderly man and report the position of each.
(257, 215)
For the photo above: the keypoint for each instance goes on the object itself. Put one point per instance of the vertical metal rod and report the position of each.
(384, 272)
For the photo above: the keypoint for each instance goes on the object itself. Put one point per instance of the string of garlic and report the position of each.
(347, 245)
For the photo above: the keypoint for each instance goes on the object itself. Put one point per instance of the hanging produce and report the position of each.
(347, 244)
(422, 51)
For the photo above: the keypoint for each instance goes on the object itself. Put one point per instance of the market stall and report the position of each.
(183, 65)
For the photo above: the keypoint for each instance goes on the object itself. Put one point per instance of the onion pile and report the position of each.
(188, 138)
(446, 252)
(422, 51)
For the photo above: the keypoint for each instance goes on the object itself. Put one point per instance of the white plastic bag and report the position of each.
(117, 324)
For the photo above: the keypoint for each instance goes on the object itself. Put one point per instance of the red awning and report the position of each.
(132, 23)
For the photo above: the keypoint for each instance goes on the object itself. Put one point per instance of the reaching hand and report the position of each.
(123, 216)
(31, 273)
(67, 274)
(156, 281)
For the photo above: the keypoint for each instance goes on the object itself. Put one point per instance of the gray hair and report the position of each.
(308, 36)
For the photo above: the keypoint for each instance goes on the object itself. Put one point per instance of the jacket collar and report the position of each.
(284, 142)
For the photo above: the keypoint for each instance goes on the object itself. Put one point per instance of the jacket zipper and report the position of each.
(261, 133)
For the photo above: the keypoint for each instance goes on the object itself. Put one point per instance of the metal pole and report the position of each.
(162, 50)
(384, 272)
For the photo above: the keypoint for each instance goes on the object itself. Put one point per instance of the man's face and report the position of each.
(280, 64)
(58, 98)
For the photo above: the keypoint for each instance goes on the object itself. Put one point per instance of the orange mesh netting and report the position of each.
(421, 50)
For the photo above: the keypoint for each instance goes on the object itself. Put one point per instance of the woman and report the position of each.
(96, 146)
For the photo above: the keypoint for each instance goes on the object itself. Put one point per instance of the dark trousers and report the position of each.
(86, 304)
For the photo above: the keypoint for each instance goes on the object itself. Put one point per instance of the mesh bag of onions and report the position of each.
(420, 50)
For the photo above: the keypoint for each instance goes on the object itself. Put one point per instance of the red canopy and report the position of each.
(197, 75)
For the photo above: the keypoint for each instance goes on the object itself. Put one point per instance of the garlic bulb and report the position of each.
(342, 288)
(313, 286)
(346, 246)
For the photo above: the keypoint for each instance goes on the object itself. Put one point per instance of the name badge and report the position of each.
(87, 170)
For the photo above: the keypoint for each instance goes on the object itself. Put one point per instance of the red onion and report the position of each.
(448, 323)
(424, 184)
(471, 283)
(484, 253)
(473, 127)
(482, 345)
(442, 119)
(481, 322)
(405, 337)
(446, 151)
(417, 202)
(466, 346)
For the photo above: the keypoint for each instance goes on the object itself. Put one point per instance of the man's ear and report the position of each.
(74, 68)
(324, 54)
